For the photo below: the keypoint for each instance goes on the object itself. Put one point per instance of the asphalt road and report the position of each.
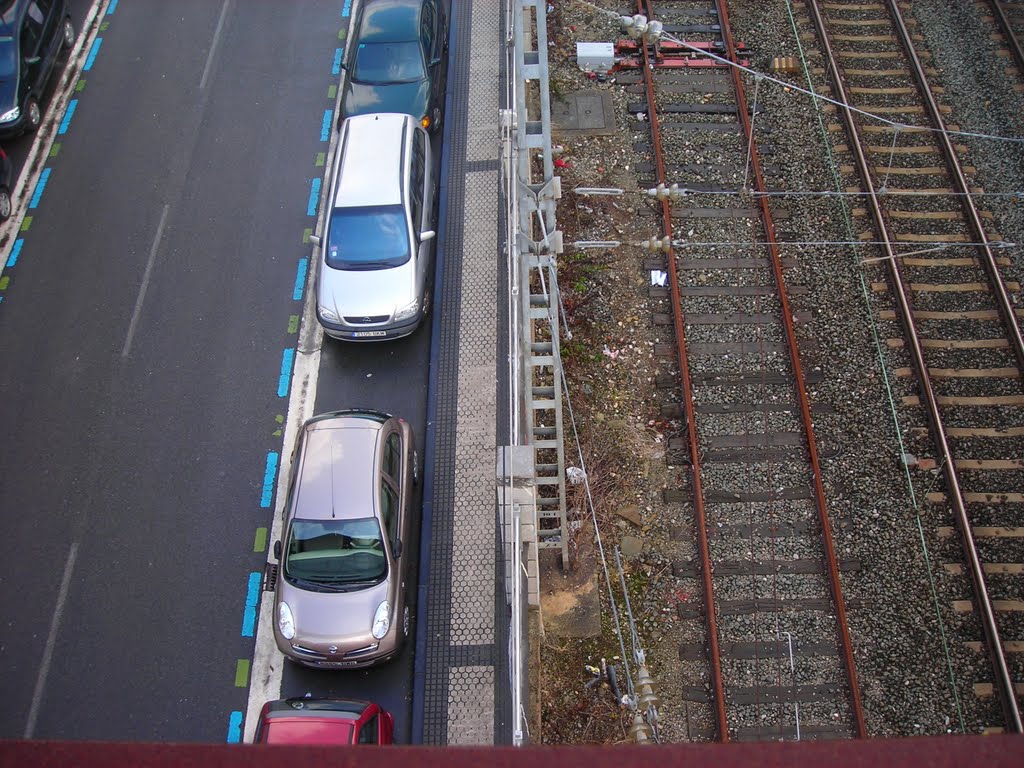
(142, 337)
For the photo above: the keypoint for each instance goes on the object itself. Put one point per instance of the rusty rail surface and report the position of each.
(718, 687)
(843, 640)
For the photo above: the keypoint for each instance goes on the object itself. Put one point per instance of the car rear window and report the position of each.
(302, 731)
(368, 237)
(380, 63)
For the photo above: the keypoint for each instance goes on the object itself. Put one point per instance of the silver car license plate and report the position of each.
(370, 333)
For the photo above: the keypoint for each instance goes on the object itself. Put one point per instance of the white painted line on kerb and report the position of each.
(51, 641)
(213, 45)
(145, 282)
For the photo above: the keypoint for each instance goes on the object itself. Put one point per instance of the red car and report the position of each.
(323, 721)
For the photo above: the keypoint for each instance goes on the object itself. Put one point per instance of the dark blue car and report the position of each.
(396, 60)
(32, 35)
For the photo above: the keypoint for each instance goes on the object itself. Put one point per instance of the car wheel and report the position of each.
(5, 203)
(435, 120)
(405, 622)
(415, 468)
(67, 34)
(33, 114)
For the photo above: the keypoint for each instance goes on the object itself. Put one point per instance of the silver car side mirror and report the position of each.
(427, 235)
(315, 240)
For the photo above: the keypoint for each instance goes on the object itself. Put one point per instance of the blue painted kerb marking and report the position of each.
(346, 9)
(268, 479)
(235, 727)
(15, 252)
(112, 7)
(336, 66)
(92, 54)
(286, 371)
(252, 599)
(72, 106)
(325, 128)
(40, 186)
(314, 197)
(300, 279)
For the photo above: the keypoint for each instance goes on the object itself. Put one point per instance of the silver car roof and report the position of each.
(336, 477)
(371, 156)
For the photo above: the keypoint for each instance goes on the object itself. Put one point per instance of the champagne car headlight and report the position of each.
(382, 620)
(285, 621)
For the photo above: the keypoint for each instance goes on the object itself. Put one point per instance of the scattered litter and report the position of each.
(659, 277)
(575, 475)
(612, 353)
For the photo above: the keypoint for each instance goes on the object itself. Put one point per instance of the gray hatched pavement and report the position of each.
(461, 685)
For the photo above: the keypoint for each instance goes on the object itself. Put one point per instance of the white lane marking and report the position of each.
(213, 45)
(145, 283)
(51, 641)
(35, 162)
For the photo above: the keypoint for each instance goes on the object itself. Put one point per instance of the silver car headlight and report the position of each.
(409, 310)
(382, 620)
(10, 115)
(328, 314)
(285, 621)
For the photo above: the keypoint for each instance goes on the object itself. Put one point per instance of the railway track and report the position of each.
(1009, 19)
(772, 657)
(953, 326)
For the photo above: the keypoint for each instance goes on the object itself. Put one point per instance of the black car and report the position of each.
(32, 35)
(396, 60)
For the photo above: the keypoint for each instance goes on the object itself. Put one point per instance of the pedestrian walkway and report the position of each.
(462, 638)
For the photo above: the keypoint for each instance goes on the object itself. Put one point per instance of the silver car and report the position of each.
(377, 249)
(340, 599)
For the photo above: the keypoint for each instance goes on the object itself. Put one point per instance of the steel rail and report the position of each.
(845, 643)
(714, 651)
(1004, 683)
(1011, 37)
(988, 260)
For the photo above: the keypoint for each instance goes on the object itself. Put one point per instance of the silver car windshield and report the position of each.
(384, 63)
(336, 552)
(368, 237)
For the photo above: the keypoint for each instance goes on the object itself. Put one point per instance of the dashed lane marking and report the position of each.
(235, 727)
(242, 673)
(287, 359)
(40, 186)
(68, 114)
(252, 599)
(314, 196)
(300, 274)
(15, 252)
(268, 479)
(92, 54)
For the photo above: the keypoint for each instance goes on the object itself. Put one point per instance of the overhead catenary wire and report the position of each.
(810, 93)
